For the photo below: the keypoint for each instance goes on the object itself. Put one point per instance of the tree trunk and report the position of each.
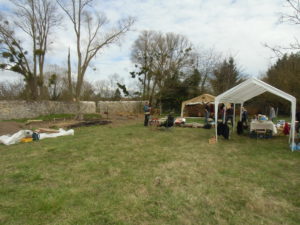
(152, 92)
(32, 88)
(70, 77)
(144, 86)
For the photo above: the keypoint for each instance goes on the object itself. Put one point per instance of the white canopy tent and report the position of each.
(249, 89)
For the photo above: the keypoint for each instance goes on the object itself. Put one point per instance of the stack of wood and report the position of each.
(212, 140)
(195, 110)
(46, 130)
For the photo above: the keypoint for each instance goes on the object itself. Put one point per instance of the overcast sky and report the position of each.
(232, 27)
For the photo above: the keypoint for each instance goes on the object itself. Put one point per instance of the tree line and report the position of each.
(38, 20)
(168, 68)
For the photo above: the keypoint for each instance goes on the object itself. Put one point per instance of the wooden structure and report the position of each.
(197, 102)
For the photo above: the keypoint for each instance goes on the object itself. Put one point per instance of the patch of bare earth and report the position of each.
(10, 127)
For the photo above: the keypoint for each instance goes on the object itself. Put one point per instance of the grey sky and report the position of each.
(238, 28)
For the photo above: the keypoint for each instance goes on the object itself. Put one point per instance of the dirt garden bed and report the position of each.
(10, 127)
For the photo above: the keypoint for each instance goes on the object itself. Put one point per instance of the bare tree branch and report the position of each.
(87, 29)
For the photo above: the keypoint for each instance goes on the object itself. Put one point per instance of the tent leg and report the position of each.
(182, 109)
(216, 119)
(242, 105)
(233, 119)
(224, 115)
(292, 131)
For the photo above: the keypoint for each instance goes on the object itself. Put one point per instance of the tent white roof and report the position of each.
(250, 89)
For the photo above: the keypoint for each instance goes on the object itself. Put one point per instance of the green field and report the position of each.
(135, 175)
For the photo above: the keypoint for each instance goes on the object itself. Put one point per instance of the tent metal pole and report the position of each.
(216, 119)
(182, 109)
(224, 115)
(233, 119)
(292, 131)
(241, 113)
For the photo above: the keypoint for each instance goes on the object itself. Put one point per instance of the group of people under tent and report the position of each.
(228, 111)
(208, 113)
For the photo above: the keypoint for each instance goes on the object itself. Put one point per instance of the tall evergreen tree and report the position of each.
(285, 75)
(117, 95)
(192, 84)
(177, 90)
(225, 76)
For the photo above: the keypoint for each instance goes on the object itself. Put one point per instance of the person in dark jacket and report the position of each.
(206, 114)
(244, 116)
(147, 109)
(298, 119)
(169, 122)
(229, 115)
(222, 111)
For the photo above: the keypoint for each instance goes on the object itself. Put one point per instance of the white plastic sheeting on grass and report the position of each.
(61, 132)
(16, 138)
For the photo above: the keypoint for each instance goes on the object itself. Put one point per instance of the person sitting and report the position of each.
(169, 122)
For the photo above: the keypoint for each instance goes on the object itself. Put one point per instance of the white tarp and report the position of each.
(250, 89)
(61, 132)
(16, 138)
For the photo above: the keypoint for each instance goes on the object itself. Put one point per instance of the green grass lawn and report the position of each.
(135, 175)
(195, 120)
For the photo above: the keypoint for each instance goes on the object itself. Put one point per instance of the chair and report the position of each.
(169, 123)
(260, 133)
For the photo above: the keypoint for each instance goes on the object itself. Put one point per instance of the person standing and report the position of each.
(206, 114)
(272, 113)
(222, 112)
(244, 116)
(147, 109)
(229, 115)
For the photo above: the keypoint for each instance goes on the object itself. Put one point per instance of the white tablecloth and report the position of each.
(254, 125)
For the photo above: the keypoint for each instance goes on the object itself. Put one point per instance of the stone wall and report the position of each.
(116, 107)
(24, 109)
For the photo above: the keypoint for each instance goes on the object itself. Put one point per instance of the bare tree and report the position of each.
(102, 89)
(14, 57)
(206, 61)
(55, 81)
(292, 17)
(159, 57)
(143, 55)
(90, 38)
(12, 90)
(36, 18)
(69, 77)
